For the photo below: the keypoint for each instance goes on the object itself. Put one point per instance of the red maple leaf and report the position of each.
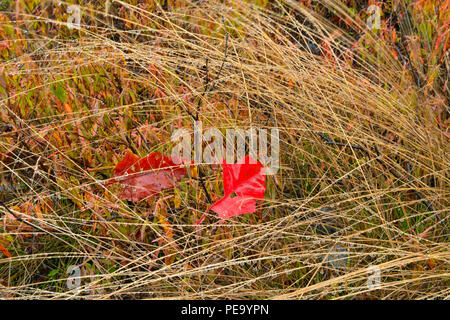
(146, 177)
(243, 183)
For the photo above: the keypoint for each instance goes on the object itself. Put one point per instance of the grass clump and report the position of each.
(363, 120)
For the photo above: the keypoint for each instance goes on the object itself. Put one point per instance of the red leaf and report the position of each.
(246, 180)
(146, 176)
(5, 251)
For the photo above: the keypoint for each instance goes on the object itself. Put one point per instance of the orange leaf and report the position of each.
(67, 107)
(5, 251)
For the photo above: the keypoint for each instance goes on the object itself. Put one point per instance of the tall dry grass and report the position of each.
(364, 167)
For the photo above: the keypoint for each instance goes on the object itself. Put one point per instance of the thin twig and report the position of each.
(207, 89)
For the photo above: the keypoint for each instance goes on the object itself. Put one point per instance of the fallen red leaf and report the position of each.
(245, 180)
(145, 177)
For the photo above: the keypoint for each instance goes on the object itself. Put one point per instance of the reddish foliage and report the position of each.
(147, 176)
(5, 251)
(246, 180)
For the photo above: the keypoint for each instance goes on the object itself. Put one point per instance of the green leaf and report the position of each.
(53, 273)
(4, 4)
(9, 29)
(353, 12)
(59, 92)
